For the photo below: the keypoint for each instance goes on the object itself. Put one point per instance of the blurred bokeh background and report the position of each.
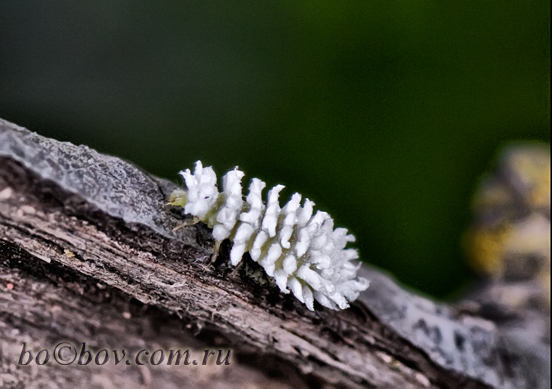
(383, 113)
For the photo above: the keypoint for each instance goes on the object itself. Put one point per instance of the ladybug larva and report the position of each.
(301, 251)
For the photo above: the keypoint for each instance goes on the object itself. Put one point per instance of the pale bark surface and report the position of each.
(87, 254)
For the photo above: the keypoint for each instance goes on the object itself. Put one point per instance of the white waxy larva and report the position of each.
(302, 252)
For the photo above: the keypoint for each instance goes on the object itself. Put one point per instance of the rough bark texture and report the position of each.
(87, 254)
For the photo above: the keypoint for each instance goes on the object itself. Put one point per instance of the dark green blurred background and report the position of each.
(384, 113)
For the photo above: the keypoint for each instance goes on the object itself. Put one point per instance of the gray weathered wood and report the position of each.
(76, 225)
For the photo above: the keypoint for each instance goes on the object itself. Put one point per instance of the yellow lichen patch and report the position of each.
(485, 249)
(530, 167)
(510, 235)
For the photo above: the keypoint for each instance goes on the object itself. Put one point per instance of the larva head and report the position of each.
(178, 198)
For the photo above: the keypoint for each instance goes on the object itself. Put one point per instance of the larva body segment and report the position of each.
(302, 252)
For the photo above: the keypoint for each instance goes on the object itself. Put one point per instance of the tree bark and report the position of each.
(88, 255)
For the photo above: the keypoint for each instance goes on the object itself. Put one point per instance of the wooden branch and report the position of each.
(88, 254)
